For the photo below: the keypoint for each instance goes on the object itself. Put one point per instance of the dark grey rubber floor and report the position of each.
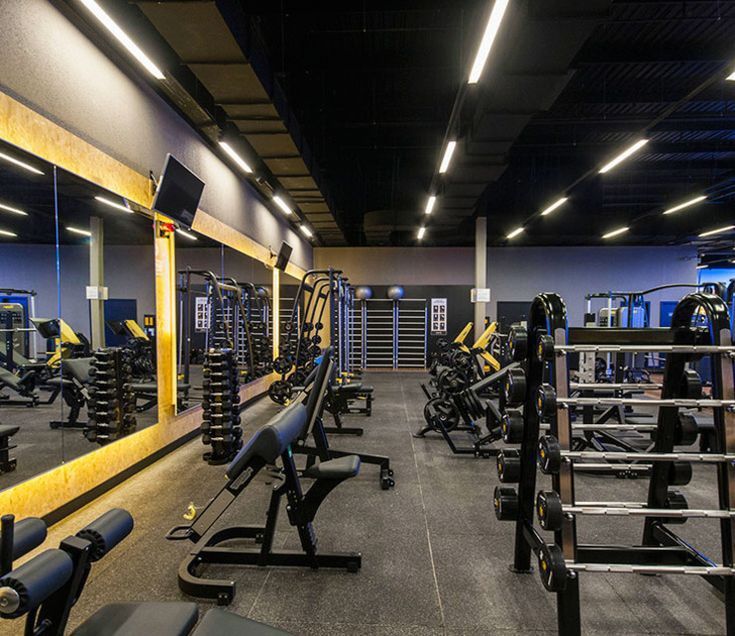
(435, 559)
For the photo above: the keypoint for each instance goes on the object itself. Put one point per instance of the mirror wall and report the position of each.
(224, 299)
(107, 311)
(29, 296)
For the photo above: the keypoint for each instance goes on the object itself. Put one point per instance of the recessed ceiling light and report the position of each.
(232, 153)
(447, 158)
(623, 155)
(430, 204)
(620, 230)
(112, 204)
(488, 37)
(186, 234)
(6, 233)
(515, 232)
(553, 206)
(282, 204)
(422, 231)
(76, 230)
(686, 204)
(18, 162)
(717, 231)
(9, 208)
(123, 38)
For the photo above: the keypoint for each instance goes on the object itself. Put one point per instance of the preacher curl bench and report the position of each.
(45, 589)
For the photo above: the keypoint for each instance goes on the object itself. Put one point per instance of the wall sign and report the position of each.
(480, 295)
(201, 314)
(438, 316)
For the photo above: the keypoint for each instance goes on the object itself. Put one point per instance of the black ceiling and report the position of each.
(569, 85)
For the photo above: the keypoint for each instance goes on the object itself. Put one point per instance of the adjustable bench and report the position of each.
(72, 383)
(269, 446)
(148, 391)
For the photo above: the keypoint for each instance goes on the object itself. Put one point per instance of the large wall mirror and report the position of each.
(29, 299)
(107, 316)
(224, 301)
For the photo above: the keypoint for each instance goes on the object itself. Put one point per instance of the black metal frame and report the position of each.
(660, 545)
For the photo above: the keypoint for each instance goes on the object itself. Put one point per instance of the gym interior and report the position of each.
(397, 317)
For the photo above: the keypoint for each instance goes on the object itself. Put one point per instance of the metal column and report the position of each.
(480, 272)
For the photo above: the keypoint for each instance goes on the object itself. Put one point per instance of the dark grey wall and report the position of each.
(49, 65)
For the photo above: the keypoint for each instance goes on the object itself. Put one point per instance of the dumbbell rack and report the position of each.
(661, 551)
(221, 406)
(111, 404)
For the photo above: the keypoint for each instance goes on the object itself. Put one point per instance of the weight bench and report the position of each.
(7, 463)
(343, 396)
(23, 385)
(149, 391)
(269, 446)
(72, 383)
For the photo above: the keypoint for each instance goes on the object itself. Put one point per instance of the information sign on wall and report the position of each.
(201, 313)
(438, 317)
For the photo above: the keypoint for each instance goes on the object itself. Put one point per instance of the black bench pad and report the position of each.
(134, 619)
(217, 622)
(340, 468)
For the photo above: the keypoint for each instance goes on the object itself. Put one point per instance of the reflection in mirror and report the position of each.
(200, 265)
(29, 365)
(107, 291)
(224, 302)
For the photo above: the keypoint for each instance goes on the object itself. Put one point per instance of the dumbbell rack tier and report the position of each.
(221, 406)
(111, 404)
(661, 551)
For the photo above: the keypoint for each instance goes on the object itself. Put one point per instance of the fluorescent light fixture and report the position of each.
(686, 204)
(19, 163)
(491, 30)
(123, 38)
(451, 145)
(282, 204)
(515, 232)
(422, 231)
(76, 230)
(191, 237)
(430, 204)
(702, 266)
(306, 231)
(8, 208)
(6, 233)
(112, 204)
(717, 231)
(731, 77)
(235, 157)
(553, 206)
(620, 230)
(623, 155)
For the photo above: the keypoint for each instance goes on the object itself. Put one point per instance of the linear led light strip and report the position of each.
(76, 230)
(244, 166)
(488, 37)
(8, 208)
(6, 233)
(282, 204)
(122, 37)
(430, 204)
(306, 231)
(112, 204)
(422, 231)
(620, 230)
(553, 206)
(447, 158)
(19, 163)
(515, 232)
(727, 228)
(623, 155)
(686, 204)
(191, 237)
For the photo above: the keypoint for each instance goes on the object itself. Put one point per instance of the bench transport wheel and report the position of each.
(386, 480)
(552, 568)
(224, 598)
